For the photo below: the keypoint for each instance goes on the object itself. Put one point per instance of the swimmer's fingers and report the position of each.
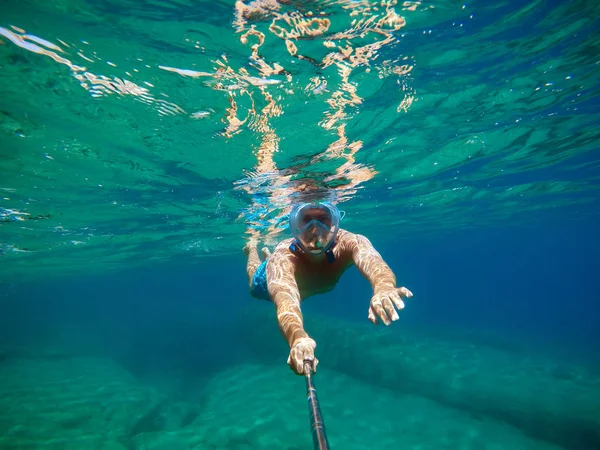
(388, 304)
(398, 303)
(378, 310)
(404, 292)
(384, 304)
(372, 316)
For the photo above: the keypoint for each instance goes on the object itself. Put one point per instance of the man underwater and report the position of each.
(312, 262)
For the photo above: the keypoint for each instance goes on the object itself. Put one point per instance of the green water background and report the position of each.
(126, 321)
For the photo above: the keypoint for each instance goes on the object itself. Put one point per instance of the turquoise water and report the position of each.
(143, 143)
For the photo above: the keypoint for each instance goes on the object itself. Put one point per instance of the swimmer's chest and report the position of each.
(319, 278)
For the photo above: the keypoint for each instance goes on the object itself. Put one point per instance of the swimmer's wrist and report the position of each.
(297, 336)
(384, 285)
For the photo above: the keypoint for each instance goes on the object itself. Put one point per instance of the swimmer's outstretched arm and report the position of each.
(284, 291)
(369, 262)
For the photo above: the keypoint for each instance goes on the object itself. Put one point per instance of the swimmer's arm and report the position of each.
(284, 291)
(370, 263)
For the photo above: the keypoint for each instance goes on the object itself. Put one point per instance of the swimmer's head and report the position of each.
(315, 226)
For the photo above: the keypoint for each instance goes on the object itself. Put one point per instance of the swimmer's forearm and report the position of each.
(284, 291)
(289, 318)
(370, 263)
(381, 276)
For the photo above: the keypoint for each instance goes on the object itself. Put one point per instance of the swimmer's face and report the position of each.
(316, 230)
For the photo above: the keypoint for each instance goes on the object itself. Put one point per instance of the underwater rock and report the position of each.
(75, 403)
(258, 406)
(483, 381)
(159, 441)
(167, 416)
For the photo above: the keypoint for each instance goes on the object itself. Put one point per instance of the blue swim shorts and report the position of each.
(259, 287)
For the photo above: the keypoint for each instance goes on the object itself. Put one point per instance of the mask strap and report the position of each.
(329, 253)
(295, 246)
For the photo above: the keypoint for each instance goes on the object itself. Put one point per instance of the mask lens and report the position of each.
(315, 235)
(317, 215)
(315, 227)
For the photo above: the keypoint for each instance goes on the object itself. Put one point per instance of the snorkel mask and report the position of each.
(315, 226)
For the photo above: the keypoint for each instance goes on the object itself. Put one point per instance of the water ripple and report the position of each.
(198, 125)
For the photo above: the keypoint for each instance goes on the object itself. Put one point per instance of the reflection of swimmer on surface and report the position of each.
(312, 262)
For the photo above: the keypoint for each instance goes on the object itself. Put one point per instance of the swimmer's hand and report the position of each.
(385, 301)
(302, 349)
(250, 245)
